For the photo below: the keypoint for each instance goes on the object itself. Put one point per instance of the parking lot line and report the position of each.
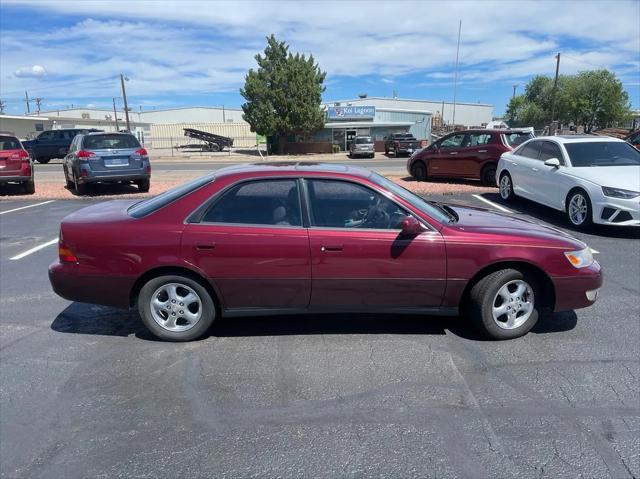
(33, 250)
(494, 205)
(25, 207)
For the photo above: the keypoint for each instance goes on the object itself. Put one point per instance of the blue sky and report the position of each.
(197, 52)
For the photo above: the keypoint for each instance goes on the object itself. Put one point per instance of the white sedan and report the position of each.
(592, 179)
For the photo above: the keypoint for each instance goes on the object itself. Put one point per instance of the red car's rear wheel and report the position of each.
(176, 308)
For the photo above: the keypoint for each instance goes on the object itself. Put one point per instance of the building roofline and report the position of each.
(25, 117)
(407, 99)
(189, 107)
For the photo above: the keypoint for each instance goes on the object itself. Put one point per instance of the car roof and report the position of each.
(290, 167)
(492, 130)
(92, 133)
(564, 139)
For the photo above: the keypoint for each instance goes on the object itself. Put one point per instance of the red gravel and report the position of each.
(55, 191)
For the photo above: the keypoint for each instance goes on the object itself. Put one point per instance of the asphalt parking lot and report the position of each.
(86, 392)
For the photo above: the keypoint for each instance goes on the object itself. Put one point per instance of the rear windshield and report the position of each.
(602, 153)
(99, 142)
(146, 207)
(517, 138)
(9, 143)
(364, 140)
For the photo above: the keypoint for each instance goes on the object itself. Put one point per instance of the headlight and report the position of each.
(619, 193)
(580, 259)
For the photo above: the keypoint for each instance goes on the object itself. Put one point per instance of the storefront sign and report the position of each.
(351, 112)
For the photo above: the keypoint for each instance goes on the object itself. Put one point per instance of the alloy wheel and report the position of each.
(578, 209)
(505, 187)
(513, 304)
(176, 307)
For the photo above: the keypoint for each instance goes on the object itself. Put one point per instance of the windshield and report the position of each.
(411, 198)
(517, 138)
(602, 153)
(9, 143)
(146, 207)
(363, 141)
(100, 142)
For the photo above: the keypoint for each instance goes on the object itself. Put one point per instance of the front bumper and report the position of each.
(579, 291)
(616, 211)
(75, 282)
(362, 152)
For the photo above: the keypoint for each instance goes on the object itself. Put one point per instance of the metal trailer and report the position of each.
(212, 142)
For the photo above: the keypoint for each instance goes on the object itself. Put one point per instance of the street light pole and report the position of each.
(514, 91)
(124, 97)
(555, 87)
(455, 80)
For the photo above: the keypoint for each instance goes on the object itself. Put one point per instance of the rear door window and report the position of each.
(479, 139)
(258, 202)
(530, 150)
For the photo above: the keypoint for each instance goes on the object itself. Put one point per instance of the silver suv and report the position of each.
(362, 146)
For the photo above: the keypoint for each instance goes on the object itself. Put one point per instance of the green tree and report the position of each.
(597, 99)
(283, 95)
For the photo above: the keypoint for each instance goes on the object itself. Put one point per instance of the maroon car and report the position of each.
(471, 154)
(294, 238)
(15, 164)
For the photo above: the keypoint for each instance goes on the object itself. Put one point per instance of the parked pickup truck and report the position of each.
(401, 144)
(53, 143)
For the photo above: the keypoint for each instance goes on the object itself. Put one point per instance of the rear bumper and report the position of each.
(363, 153)
(76, 283)
(106, 177)
(575, 292)
(14, 179)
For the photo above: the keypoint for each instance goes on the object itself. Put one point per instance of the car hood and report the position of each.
(625, 177)
(483, 221)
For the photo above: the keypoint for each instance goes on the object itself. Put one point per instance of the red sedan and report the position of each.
(15, 164)
(308, 238)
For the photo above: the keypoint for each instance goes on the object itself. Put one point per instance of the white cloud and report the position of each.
(35, 71)
(188, 48)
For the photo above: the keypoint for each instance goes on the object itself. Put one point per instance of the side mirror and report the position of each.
(411, 226)
(552, 162)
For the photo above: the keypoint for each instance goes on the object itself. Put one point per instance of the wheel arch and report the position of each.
(543, 279)
(179, 270)
(572, 190)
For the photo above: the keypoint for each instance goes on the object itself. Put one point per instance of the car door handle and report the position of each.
(535, 169)
(482, 151)
(453, 153)
(330, 248)
(206, 247)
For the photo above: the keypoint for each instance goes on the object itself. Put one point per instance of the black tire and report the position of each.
(144, 185)
(488, 175)
(29, 187)
(206, 307)
(69, 183)
(506, 187)
(484, 298)
(350, 155)
(372, 155)
(419, 171)
(386, 151)
(585, 219)
(215, 147)
(79, 188)
(39, 160)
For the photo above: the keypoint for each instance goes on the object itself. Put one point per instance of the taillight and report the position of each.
(141, 152)
(89, 155)
(20, 155)
(65, 253)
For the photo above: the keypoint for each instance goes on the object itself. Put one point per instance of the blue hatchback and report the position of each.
(106, 158)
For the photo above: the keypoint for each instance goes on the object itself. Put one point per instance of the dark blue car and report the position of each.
(53, 143)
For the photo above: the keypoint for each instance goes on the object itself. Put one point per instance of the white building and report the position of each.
(467, 114)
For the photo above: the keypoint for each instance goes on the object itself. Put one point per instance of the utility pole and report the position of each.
(26, 96)
(2, 105)
(224, 120)
(115, 114)
(555, 87)
(124, 97)
(38, 101)
(514, 91)
(455, 80)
